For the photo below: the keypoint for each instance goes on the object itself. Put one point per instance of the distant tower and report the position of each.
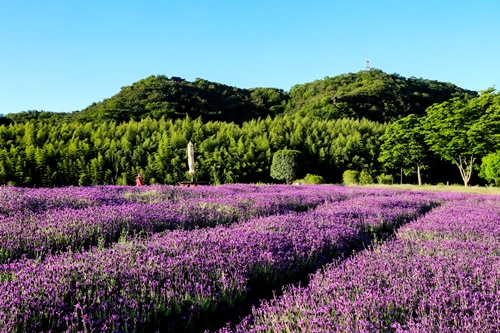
(367, 62)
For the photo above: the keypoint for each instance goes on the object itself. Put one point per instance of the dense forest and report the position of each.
(378, 124)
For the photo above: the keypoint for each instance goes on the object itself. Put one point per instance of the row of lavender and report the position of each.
(36, 200)
(441, 274)
(36, 223)
(179, 280)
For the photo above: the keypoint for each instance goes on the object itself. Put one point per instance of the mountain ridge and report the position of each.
(372, 94)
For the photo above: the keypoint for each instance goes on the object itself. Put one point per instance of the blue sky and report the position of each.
(63, 55)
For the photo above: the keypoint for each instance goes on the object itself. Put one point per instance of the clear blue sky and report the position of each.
(63, 55)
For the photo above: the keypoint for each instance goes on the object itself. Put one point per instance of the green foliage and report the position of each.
(490, 168)
(175, 98)
(312, 179)
(485, 132)
(365, 178)
(463, 130)
(385, 179)
(372, 94)
(287, 165)
(145, 129)
(43, 153)
(350, 177)
(404, 146)
(24, 116)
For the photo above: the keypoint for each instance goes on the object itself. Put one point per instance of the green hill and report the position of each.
(372, 94)
(174, 98)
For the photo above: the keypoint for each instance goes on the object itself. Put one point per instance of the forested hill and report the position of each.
(174, 98)
(373, 95)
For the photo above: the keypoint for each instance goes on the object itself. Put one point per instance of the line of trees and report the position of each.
(461, 131)
(44, 153)
(372, 95)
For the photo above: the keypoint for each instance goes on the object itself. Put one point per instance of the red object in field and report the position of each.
(138, 180)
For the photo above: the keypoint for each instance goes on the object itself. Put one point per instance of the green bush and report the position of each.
(312, 179)
(350, 177)
(490, 168)
(287, 165)
(365, 178)
(385, 179)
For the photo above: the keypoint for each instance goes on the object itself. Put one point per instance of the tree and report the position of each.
(485, 132)
(404, 146)
(490, 168)
(287, 165)
(451, 130)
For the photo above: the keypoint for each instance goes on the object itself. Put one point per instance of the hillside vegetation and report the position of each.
(373, 95)
(375, 126)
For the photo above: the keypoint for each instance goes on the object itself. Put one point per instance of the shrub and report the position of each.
(385, 179)
(312, 179)
(287, 165)
(350, 177)
(490, 168)
(365, 178)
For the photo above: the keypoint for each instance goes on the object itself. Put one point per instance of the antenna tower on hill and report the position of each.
(367, 62)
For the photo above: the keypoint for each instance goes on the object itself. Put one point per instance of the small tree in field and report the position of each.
(287, 165)
(313, 179)
(490, 168)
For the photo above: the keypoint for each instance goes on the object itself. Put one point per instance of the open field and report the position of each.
(278, 258)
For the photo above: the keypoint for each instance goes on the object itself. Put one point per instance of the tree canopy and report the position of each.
(404, 146)
(43, 153)
(461, 130)
(287, 165)
(175, 98)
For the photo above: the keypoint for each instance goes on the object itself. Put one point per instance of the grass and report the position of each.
(442, 188)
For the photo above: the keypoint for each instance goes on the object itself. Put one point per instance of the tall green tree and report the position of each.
(403, 146)
(451, 130)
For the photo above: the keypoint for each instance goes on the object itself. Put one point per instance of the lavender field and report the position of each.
(247, 258)
(441, 273)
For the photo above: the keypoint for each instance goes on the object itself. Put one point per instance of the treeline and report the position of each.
(38, 153)
(175, 98)
(372, 94)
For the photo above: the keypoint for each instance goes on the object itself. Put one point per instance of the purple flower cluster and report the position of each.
(440, 274)
(174, 280)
